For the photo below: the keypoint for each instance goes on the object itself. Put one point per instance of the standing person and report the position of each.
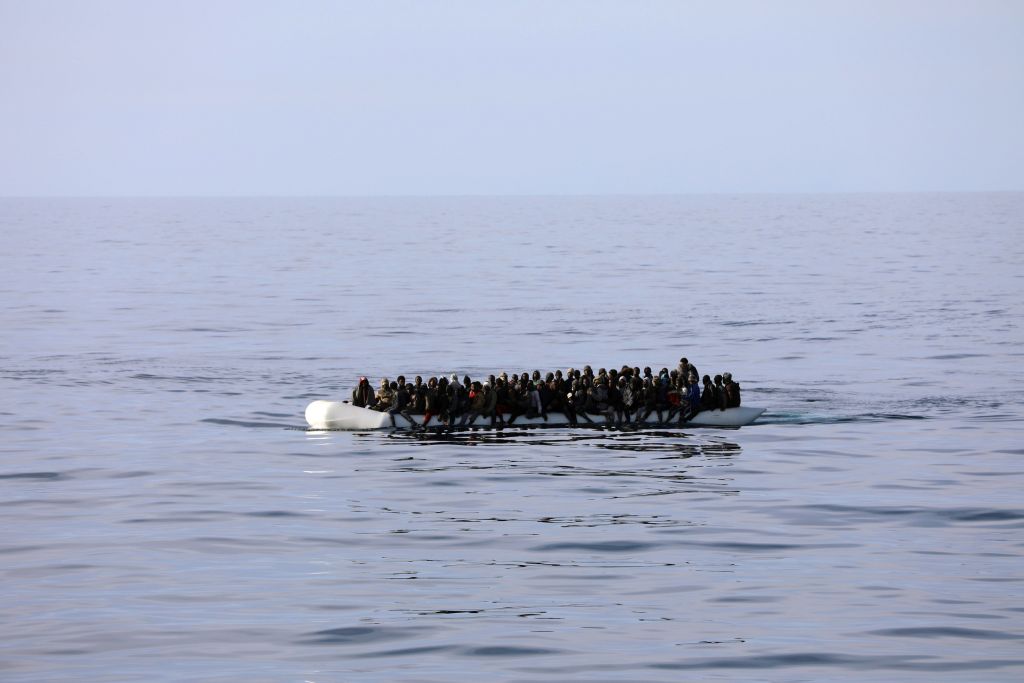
(732, 391)
(362, 395)
(686, 368)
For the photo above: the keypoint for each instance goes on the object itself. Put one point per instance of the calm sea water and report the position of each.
(167, 517)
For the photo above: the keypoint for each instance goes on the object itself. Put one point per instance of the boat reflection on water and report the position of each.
(671, 443)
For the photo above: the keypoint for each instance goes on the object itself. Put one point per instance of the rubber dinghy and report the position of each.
(344, 415)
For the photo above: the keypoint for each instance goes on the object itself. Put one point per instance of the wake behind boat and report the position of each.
(345, 416)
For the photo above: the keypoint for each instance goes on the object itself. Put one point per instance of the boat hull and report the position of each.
(342, 415)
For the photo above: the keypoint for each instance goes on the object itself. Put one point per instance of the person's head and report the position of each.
(432, 382)
(684, 362)
(727, 377)
(394, 386)
(384, 383)
(551, 376)
(535, 376)
(707, 379)
(647, 372)
(718, 379)
(419, 380)
(364, 382)
(401, 379)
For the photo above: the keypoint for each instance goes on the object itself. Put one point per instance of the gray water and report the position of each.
(167, 517)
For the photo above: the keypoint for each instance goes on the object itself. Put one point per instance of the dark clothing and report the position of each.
(732, 395)
(362, 396)
(709, 397)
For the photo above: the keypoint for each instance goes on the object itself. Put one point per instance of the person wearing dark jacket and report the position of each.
(435, 400)
(362, 395)
(732, 391)
(720, 393)
(402, 403)
(708, 398)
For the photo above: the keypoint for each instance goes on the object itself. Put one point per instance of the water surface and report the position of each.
(168, 518)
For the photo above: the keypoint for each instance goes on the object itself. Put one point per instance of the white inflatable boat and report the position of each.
(343, 415)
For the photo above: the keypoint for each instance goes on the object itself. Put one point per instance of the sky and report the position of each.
(314, 98)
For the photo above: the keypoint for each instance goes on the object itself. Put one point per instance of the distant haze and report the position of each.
(349, 98)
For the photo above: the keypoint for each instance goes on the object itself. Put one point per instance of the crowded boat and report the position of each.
(621, 397)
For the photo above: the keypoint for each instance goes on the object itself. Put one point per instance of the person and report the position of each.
(616, 401)
(516, 403)
(385, 397)
(402, 403)
(491, 403)
(534, 402)
(560, 398)
(686, 368)
(693, 397)
(632, 396)
(732, 391)
(578, 399)
(456, 399)
(708, 398)
(362, 395)
(649, 400)
(433, 403)
(419, 396)
(476, 404)
(674, 399)
(720, 393)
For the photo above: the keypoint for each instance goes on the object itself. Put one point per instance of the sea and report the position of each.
(168, 516)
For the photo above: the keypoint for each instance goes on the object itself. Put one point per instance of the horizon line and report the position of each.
(468, 195)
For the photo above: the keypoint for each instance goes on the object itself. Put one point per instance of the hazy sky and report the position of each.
(472, 97)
